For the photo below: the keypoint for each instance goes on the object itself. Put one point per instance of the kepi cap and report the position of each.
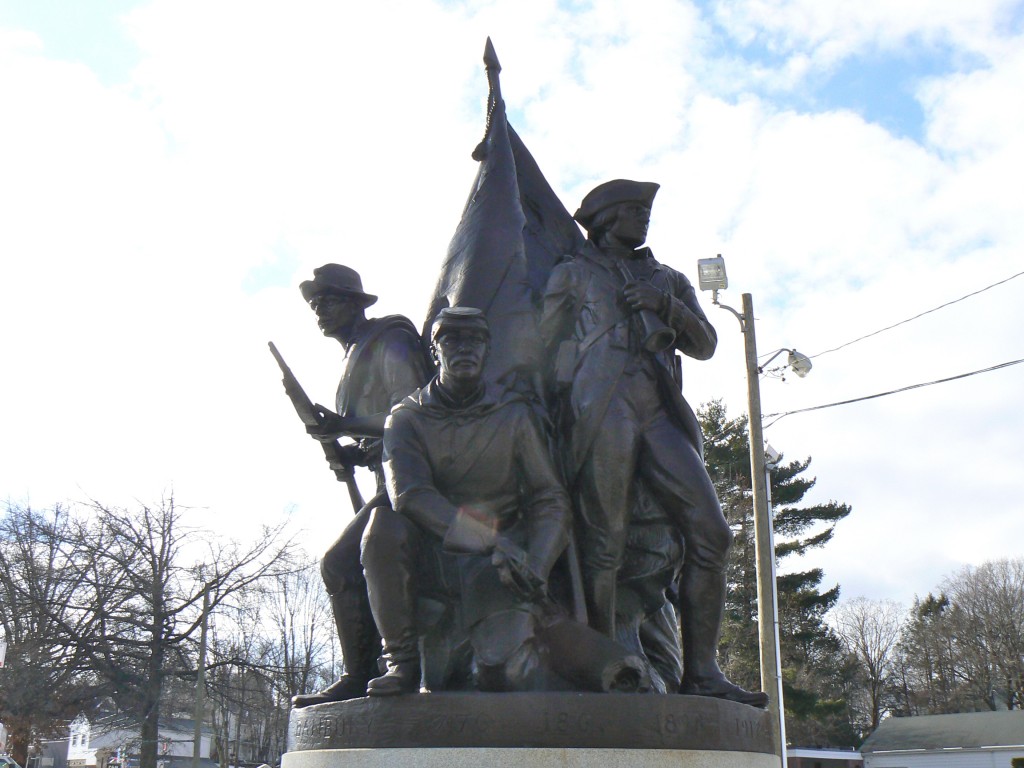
(451, 318)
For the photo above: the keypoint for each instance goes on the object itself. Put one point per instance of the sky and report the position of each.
(171, 170)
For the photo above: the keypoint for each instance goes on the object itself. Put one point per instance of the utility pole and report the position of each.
(197, 734)
(713, 278)
(767, 623)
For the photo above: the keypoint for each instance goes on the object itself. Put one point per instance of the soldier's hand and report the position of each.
(515, 571)
(351, 456)
(642, 295)
(331, 426)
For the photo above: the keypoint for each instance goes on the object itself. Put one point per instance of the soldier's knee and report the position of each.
(387, 533)
(719, 534)
(333, 570)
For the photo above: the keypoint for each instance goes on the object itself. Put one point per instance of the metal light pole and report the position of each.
(197, 735)
(772, 462)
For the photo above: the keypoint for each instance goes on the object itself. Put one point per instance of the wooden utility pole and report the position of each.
(767, 611)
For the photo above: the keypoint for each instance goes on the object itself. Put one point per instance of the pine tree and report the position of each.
(814, 669)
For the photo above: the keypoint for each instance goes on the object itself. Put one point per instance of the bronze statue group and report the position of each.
(558, 536)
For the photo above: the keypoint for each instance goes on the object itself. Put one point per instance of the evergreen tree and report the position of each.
(815, 670)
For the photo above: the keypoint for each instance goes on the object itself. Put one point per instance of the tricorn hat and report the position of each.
(451, 318)
(337, 279)
(612, 193)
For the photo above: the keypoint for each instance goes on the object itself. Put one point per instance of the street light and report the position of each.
(799, 363)
(712, 277)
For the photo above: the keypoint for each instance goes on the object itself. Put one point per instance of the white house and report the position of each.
(113, 742)
(967, 740)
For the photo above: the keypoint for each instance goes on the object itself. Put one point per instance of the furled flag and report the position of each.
(512, 232)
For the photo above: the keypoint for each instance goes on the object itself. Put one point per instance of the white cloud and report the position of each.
(831, 32)
(159, 229)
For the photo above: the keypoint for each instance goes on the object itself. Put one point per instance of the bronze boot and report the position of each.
(360, 648)
(702, 604)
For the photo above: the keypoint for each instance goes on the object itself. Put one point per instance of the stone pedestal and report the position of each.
(531, 730)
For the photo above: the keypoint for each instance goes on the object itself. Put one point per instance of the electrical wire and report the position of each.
(915, 317)
(891, 391)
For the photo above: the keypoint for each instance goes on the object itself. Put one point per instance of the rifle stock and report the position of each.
(307, 412)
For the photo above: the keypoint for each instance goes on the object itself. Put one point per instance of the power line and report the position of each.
(892, 391)
(915, 317)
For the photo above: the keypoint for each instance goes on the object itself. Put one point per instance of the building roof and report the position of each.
(965, 730)
(824, 753)
(129, 721)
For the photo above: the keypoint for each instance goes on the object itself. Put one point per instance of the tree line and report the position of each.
(847, 665)
(958, 649)
(102, 609)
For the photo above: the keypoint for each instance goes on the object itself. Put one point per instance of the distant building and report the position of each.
(51, 754)
(113, 742)
(967, 740)
(824, 757)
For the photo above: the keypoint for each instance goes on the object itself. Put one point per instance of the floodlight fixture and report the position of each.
(711, 274)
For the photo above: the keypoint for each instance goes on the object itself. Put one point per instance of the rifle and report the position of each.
(307, 412)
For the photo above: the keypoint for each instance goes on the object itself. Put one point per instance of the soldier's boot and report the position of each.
(360, 648)
(389, 562)
(601, 587)
(702, 605)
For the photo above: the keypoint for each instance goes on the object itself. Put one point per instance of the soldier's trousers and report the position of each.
(638, 441)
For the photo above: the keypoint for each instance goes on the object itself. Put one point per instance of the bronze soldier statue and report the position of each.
(613, 317)
(384, 362)
(472, 484)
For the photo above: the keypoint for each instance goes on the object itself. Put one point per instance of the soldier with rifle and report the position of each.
(384, 361)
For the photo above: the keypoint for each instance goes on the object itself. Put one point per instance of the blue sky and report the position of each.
(78, 32)
(172, 169)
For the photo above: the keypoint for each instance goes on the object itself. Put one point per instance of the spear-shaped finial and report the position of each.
(493, 96)
(490, 57)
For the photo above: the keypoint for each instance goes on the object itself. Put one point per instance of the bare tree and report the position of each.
(870, 631)
(139, 576)
(273, 641)
(46, 677)
(988, 624)
(303, 636)
(240, 674)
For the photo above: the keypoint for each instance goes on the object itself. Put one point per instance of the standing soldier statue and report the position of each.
(384, 361)
(613, 318)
